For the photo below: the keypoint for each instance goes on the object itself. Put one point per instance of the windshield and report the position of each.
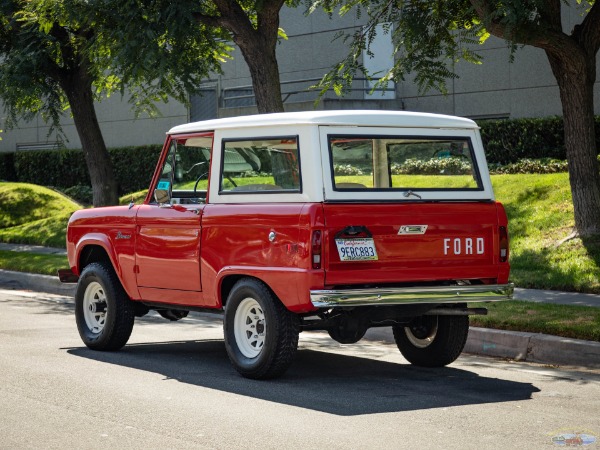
(404, 163)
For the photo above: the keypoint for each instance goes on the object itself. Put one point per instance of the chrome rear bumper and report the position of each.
(411, 295)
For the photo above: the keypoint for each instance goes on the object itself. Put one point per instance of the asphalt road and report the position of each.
(173, 387)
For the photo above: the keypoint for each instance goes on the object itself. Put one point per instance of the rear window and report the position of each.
(267, 165)
(404, 163)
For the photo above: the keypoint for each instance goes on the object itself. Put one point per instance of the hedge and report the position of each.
(508, 141)
(7, 167)
(505, 141)
(63, 169)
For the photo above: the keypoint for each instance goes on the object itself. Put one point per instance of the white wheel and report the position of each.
(250, 327)
(103, 311)
(261, 335)
(94, 307)
(432, 341)
(422, 336)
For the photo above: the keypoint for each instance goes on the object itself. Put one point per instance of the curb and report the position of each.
(35, 282)
(519, 346)
(533, 347)
(516, 345)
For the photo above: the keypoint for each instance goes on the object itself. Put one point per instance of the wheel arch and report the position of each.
(228, 281)
(91, 253)
(277, 280)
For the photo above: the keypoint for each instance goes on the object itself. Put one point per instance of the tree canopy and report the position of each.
(254, 27)
(66, 54)
(154, 50)
(430, 37)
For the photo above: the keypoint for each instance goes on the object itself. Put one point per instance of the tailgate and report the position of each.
(416, 242)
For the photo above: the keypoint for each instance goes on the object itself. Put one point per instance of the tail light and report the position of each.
(503, 235)
(316, 249)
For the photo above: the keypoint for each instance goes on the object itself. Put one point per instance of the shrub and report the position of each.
(545, 165)
(346, 169)
(508, 141)
(7, 167)
(61, 168)
(434, 166)
(133, 167)
(80, 193)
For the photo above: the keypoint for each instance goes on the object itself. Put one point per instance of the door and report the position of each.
(168, 247)
(169, 226)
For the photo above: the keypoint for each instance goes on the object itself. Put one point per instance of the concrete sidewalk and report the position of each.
(534, 347)
(32, 249)
(557, 297)
(55, 287)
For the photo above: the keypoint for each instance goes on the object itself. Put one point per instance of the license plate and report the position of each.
(358, 249)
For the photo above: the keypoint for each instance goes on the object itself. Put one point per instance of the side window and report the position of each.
(184, 175)
(164, 187)
(265, 165)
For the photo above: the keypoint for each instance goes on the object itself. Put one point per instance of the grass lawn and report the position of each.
(32, 262)
(540, 214)
(31, 214)
(578, 322)
(539, 209)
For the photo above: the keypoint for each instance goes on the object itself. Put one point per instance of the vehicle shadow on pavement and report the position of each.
(320, 380)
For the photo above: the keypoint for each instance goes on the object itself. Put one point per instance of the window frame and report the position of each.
(369, 136)
(175, 139)
(226, 141)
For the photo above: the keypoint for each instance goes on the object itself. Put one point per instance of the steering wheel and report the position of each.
(198, 181)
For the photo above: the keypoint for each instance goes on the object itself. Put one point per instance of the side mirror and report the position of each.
(162, 196)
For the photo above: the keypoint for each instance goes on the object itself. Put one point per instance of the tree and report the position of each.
(431, 36)
(59, 54)
(254, 27)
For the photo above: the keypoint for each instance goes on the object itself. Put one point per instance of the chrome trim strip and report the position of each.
(411, 295)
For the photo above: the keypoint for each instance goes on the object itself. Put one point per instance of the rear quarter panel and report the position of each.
(235, 241)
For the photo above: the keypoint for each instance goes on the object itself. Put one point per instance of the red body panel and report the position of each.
(235, 241)
(459, 241)
(168, 247)
(114, 230)
(179, 255)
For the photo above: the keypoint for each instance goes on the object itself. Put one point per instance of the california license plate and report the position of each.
(358, 249)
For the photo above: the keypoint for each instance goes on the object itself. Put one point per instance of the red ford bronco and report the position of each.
(332, 220)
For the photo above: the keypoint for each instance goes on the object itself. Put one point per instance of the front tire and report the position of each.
(261, 335)
(103, 311)
(432, 341)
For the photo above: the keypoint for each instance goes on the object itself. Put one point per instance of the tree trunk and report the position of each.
(576, 76)
(77, 86)
(260, 56)
(258, 43)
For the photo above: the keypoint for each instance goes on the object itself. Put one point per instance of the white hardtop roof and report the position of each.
(370, 118)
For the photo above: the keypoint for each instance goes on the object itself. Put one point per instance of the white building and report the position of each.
(494, 89)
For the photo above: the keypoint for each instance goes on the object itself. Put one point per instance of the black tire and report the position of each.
(252, 307)
(432, 341)
(103, 311)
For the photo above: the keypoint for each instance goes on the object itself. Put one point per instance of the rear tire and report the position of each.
(432, 341)
(103, 311)
(261, 335)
